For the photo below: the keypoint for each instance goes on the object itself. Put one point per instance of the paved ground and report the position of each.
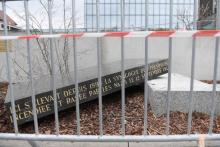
(7, 143)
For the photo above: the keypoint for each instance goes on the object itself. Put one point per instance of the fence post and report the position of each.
(169, 85)
(29, 50)
(122, 71)
(218, 15)
(191, 86)
(214, 85)
(99, 63)
(75, 69)
(8, 66)
(195, 13)
(52, 67)
(171, 15)
(146, 15)
(146, 88)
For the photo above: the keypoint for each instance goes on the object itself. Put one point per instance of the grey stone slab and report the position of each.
(42, 84)
(180, 89)
(88, 87)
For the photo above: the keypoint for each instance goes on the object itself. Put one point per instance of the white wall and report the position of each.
(181, 57)
(134, 49)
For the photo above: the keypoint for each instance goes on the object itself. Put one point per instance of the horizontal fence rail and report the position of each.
(106, 138)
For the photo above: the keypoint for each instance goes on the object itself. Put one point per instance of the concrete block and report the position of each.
(180, 90)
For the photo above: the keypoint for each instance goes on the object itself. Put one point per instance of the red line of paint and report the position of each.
(161, 33)
(73, 35)
(29, 37)
(116, 34)
(206, 33)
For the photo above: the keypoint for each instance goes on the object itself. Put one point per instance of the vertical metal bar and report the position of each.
(153, 24)
(64, 15)
(159, 13)
(218, 15)
(135, 16)
(75, 70)
(104, 15)
(171, 15)
(128, 15)
(141, 27)
(165, 14)
(191, 86)
(52, 67)
(29, 50)
(99, 54)
(93, 28)
(99, 62)
(146, 89)
(122, 14)
(214, 85)
(85, 11)
(122, 71)
(146, 14)
(97, 16)
(195, 9)
(169, 85)
(110, 12)
(5, 23)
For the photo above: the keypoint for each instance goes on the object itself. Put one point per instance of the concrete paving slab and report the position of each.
(173, 144)
(15, 143)
(163, 144)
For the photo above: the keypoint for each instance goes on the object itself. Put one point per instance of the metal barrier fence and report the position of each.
(101, 138)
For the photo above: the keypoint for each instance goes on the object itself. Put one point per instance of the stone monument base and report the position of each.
(180, 89)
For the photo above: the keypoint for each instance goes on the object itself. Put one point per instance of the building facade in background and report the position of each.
(12, 25)
(158, 14)
(207, 14)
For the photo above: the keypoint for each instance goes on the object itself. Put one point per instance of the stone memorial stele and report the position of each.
(88, 87)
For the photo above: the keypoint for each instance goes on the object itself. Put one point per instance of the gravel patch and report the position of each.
(112, 118)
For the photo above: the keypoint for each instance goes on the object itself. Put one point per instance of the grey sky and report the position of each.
(16, 9)
(158, 14)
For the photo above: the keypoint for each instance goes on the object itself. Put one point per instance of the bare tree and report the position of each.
(61, 46)
(205, 16)
(184, 17)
